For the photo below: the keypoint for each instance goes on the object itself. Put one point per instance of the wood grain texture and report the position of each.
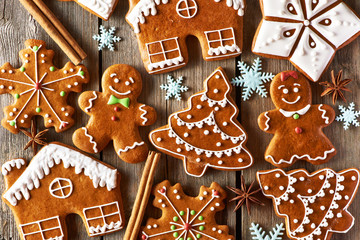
(16, 26)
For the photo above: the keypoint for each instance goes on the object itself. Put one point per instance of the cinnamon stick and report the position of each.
(43, 18)
(142, 196)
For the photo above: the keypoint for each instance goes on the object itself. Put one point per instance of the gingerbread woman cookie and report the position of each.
(115, 115)
(40, 89)
(296, 123)
(206, 134)
(185, 217)
(314, 205)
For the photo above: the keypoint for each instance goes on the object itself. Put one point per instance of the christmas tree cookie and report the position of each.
(185, 217)
(206, 134)
(40, 89)
(314, 205)
(296, 123)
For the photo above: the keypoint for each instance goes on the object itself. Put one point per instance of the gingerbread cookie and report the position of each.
(165, 50)
(115, 115)
(314, 205)
(307, 33)
(206, 134)
(40, 89)
(296, 123)
(101, 8)
(60, 181)
(186, 217)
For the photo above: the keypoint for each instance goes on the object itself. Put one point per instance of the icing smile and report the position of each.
(119, 93)
(286, 101)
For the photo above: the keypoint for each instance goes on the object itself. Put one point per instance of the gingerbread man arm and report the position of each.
(145, 115)
(326, 114)
(266, 121)
(87, 100)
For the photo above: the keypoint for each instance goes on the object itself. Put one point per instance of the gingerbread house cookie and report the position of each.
(314, 205)
(206, 134)
(306, 32)
(101, 8)
(162, 27)
(57, 182)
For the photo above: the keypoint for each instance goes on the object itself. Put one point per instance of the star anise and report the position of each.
(336, 86)
(35, 138)
(245, 195)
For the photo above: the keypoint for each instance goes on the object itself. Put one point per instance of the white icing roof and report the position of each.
(51, 155)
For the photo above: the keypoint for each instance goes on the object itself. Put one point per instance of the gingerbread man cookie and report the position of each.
(306, 32)
(296, 123)
(206, 134)
(115, 115)
(314, 205)
(185, 217)
(40, 89)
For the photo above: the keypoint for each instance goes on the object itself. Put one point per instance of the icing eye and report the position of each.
(116, 80)
(291, 9)
(127, 83)
(312, 43)
(285, 90)
(289, 33)
(325, 22)
(314, 3)
(296, 89)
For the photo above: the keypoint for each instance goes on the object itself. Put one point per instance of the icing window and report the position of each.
(186, 8)
(61, 188)
(50, 227)
(221, 41)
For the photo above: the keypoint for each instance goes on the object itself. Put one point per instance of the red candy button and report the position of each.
(216, 193)
(113, 118)
(298, 130)
(162, 190)
(37, 86)
(187, 226)
(143, 237)
(116, 109)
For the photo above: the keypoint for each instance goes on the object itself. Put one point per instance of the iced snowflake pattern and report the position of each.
(252, 79)
(174, 87)
(258, 233)
(348, 116)
(106, 38)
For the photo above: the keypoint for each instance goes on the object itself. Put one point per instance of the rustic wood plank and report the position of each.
(346, 142)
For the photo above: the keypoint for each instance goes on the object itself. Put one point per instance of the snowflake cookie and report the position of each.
(306, 32)
(314, 205)
(174, 88)
(185, 217)
(252, 79)
(258, 233)
(106, 38)
(206, 134)
(348, 116)
(40, 89)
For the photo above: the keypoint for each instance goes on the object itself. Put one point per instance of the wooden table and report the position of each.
(16, 26)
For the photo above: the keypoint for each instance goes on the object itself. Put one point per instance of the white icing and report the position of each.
(291, 113)
(143, 114)
(267, 121)
(9, 165)
(127, 148)
(295, 156)
(40, 228)
(290, 102)
(58, 192)
(105, 227)
(91, 100)
(323, 114)
(119, 93)
(210, 120)
(222, 47)
(91, 139)
(186, 8)
(103, 8)
(52, 155)
(307, 200)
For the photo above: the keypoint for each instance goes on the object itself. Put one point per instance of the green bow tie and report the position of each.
(114, 100)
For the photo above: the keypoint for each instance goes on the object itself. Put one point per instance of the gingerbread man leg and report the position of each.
(90, 139)
(131, 149)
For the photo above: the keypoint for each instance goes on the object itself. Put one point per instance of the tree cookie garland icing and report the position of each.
(307, 32)
(185, 217)
(165, 49)
(314, 205)
(296, 123)
(40, 89)
(115, 115)
(206, 134)
(58, 179)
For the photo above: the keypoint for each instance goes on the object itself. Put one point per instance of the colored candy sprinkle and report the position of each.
(176, 219)
(12, 123)
(35, 48)
(62, 93)
(176, 234)
(17, 96)
(198, 235)
(22, 69)
(182, 213)
(296, 116)
(192, 212)
(82, 73)
(201, 228)
(201, 218)
(52, 69)
(173, 227)
(38, 109)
